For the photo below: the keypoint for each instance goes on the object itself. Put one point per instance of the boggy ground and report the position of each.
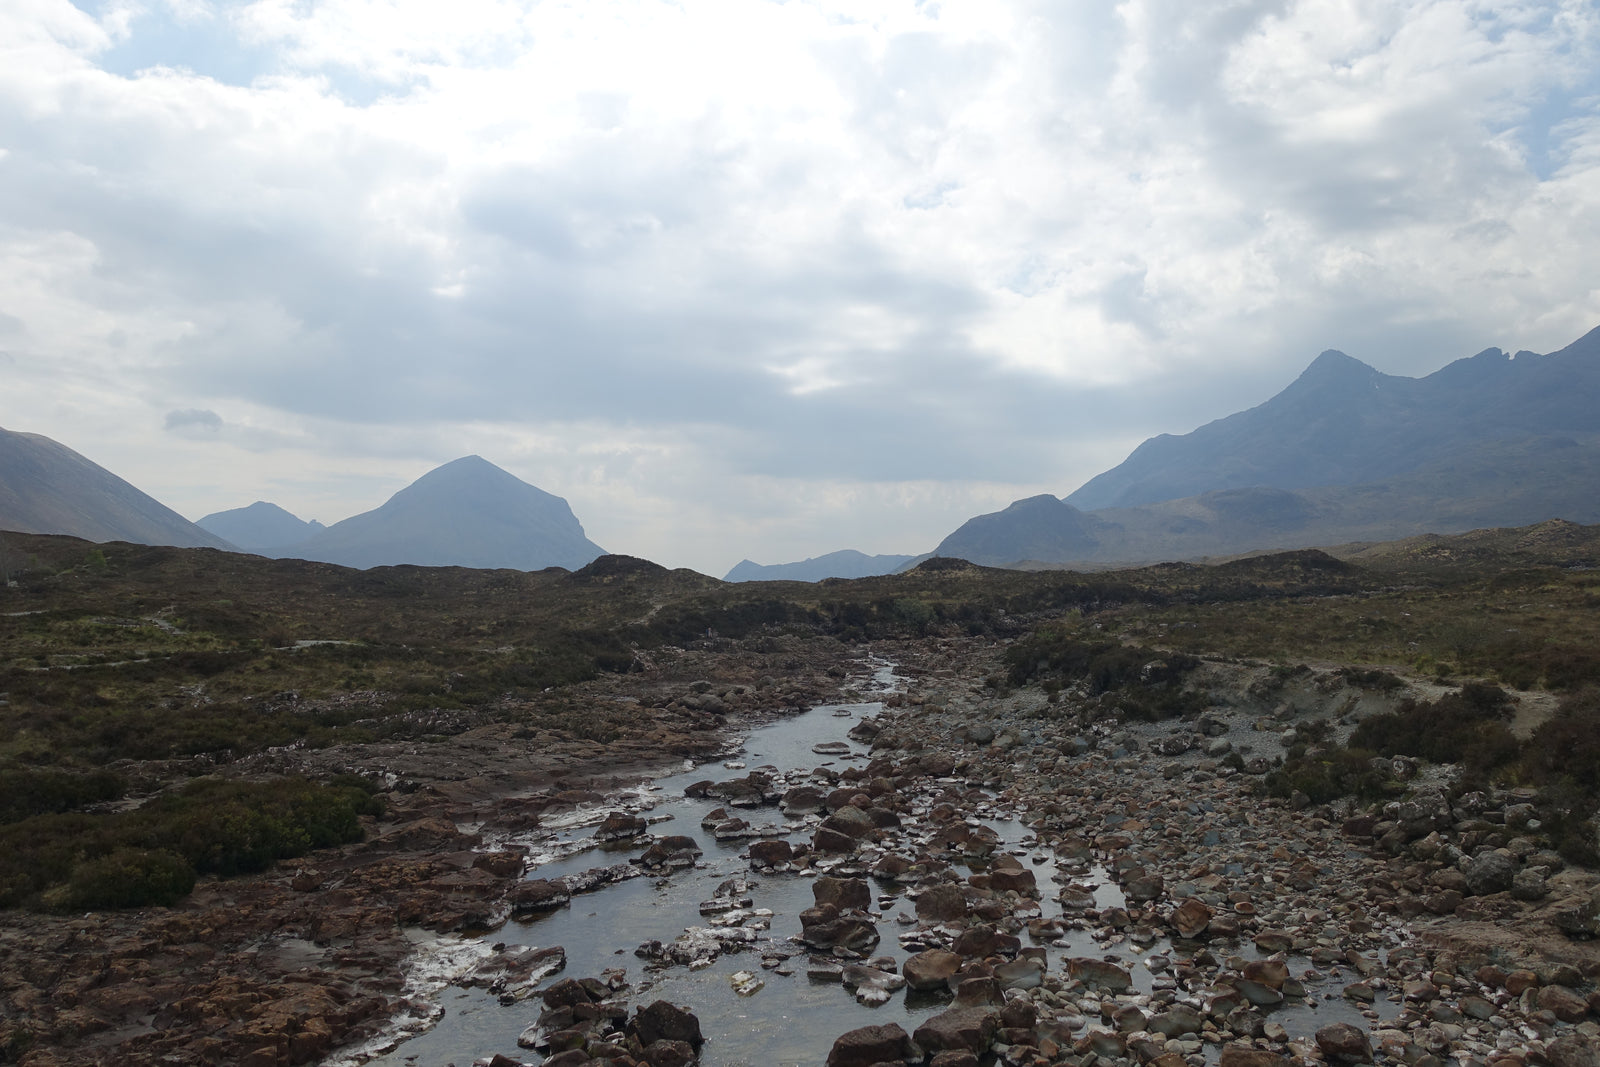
(285, 967)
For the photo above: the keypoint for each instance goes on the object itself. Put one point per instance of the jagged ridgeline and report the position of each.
(1345, 453)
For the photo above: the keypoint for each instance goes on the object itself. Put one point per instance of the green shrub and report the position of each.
(1468, 727)
(213, 826)
(1566, 747)
(1329, 775)
(127, 878)
(27, 791)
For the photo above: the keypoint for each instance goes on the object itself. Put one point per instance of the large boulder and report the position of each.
(873, 1044)
(1343, 1043)
(662, 1021)
(931, 969)
(1100, 975)
(846, 894)
(1491, 872)
(971, 1029)
(942, 903)
(823, 927)
(774, 853)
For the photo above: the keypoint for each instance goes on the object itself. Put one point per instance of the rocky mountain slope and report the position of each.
(46, 487)
(1344, 423)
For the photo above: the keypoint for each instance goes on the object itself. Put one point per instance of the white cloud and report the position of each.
(815, 250)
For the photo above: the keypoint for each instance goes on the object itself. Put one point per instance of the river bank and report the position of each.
(323, 952)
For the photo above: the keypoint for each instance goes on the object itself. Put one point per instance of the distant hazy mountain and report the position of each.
(1038, 528)
(467, 513)
(1343, 454)
(46, 487)
(1343, 423)
(844, 564)
(262, 528)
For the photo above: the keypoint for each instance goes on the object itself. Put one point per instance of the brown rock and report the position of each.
(872, 1044)
(824, 927)
(1343, 1043)
(850, 821)
(1573, 1050)
(667, 1053)
(1567, 1006)
(1517, 981)
(846, 894)
(1143, 886)
(942, 903)
(539, 894)
(931, 969)
(1099, 975)
(1270, 973)
(1191, 918)
(829, 840)
(983, 940)
(1237, 1055)
(969, 1028)
(771, 853)
(1014, 881)
(666, 1022)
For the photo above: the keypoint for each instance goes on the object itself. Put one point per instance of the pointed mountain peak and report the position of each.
(466, 513)
(1333, 367)
(1044, 503)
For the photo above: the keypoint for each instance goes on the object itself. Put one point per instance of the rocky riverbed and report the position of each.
(997, 877)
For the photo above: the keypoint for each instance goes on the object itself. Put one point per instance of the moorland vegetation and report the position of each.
(135, 679)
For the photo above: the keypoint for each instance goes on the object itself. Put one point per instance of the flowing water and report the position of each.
(792, 1019)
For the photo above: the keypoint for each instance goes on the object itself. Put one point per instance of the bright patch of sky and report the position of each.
(759, 279)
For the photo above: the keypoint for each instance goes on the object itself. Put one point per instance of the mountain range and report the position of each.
(847, 563)
(1345, 453)
(467, 513)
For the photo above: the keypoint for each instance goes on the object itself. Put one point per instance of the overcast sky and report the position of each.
(744, 279)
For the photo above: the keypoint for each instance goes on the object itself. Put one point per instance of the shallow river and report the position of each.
(792, 1019)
